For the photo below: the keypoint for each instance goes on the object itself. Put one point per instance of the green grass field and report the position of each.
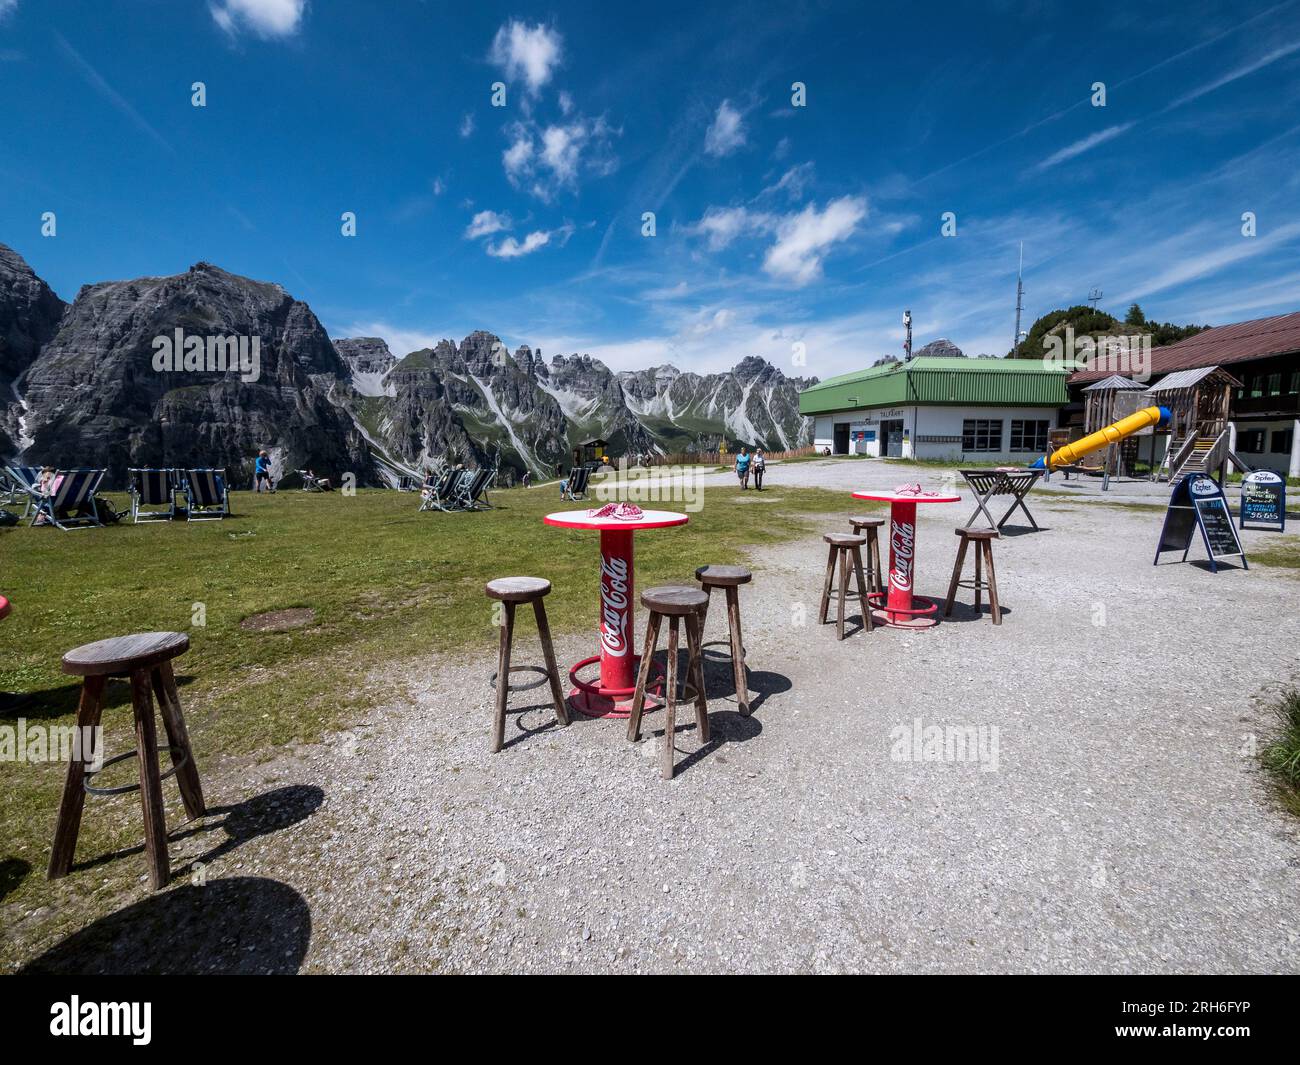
(387, 584)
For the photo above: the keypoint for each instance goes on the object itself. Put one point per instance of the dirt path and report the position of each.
(1117, 820)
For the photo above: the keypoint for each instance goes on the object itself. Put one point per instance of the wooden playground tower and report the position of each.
(1198, 402)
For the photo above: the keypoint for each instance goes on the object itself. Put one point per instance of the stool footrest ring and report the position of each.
(492, 680)
(122, 789)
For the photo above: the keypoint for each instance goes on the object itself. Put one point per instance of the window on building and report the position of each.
(1294, 386)
(1282, 439)
(1029, 434)
(982, 434)
(1274, 384)
(1256, 385)
(1251, 440)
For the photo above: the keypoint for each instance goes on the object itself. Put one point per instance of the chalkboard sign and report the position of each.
(1263, 501)
(1197, 502)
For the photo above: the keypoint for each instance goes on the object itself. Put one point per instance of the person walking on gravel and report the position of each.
(742, 468)
(760, 467)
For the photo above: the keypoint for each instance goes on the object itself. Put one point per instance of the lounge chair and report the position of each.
(152, 488)
(472, 492)
(312, 483)
(437, 492)
(205, 494)
(406, 483)
(576, 486)
(18, 485)
(71, 497)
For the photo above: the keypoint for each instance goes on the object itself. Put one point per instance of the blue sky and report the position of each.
(776, 225)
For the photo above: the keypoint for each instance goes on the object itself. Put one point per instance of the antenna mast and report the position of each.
(1094, 297)
(1020, 297)
(907, 341)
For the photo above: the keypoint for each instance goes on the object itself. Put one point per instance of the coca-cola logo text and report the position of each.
(613, 605)
(902, 544)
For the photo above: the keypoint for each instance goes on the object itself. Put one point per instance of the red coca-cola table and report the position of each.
(611, 694)
(898, 606)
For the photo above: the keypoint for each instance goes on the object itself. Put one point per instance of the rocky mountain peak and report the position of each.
(941, 348)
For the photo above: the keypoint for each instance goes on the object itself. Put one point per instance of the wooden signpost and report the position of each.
(1263, 501)
(1198, 503)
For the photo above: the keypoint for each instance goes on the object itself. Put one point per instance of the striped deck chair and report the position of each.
(205, 494)
(445, 491)
(470, 491)
(576, 489)
(19, 486)
(152, 488)
(71, 503)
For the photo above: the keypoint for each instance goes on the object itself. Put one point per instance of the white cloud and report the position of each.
(467, 125)
(1240, 72)
(1084, 144)
(7, 7)
(485, 223)
(530, 53)
(566, 102)
(263, 18)
(518, 157)
(509, 248)
(727, 132)
(804, 239)
(545, 159)
(793, 181)
(721, 225)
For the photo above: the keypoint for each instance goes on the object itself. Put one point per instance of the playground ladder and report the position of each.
(1205, 456)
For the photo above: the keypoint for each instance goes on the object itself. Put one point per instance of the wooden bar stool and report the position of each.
(983, 546)
(146, 659)
(674, 602)
(870, 528)
(846, 547)
(510, 592)
(729, 579)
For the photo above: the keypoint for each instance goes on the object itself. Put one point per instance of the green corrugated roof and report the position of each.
(937, 380)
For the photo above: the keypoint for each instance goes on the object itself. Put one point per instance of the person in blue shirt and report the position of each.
(742, 468)
(262, 472)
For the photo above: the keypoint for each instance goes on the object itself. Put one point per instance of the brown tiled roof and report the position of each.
(1222, 344)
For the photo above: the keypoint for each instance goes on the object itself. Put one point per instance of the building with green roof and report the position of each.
(935, 407)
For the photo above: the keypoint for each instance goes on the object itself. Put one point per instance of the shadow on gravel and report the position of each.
(966, 612)
(237, 925)
(259, 816)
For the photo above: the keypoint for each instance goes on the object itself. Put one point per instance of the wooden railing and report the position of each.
(714, 458)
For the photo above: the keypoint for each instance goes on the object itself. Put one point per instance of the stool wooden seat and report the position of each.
(847, 547)
(870, 528)
(728, 578)
(517, 589)
(675, 602)
(510, 592)
(146, 659)
(983, 540)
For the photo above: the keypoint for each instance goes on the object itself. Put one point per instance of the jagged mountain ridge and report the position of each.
(79, 385)
(460, 399)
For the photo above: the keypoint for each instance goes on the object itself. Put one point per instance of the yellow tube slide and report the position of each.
(1111, 434)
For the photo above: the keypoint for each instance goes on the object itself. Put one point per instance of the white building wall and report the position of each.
(1287, 463)
(921, 423)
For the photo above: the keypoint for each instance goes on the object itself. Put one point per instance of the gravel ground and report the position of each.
(1117, 820)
